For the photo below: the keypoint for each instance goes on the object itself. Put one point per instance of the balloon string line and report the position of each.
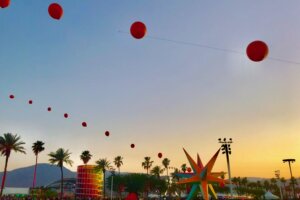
(187, 43)
(210, 47)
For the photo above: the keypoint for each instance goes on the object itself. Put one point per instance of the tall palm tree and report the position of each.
(156, 171)
(60, 157)
(9, 142)
(118, 162)
(37, 148)
(166, 163)
(183, 167)
(103, 165)
(147, 163)
(85, 156)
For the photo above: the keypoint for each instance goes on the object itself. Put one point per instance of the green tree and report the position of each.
(103, 165)
(37, 148)
(166, 163)
(267, 185)
(147, 163)
(156, 171)
(118, 162)
(60, 157)
(8, 143)
(86, 156)
(183, 167)
(244, 182)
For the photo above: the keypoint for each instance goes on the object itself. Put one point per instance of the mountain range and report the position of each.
(46, 174)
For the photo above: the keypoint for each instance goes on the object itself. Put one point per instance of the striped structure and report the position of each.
(89, 182)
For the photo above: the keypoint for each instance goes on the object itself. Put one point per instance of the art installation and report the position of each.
(138, 30)
(257, 51)
(4, 3)
(201, 176)
(55, 11)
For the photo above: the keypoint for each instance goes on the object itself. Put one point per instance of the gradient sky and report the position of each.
(160, 95)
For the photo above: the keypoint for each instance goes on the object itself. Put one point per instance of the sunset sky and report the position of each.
(163, 92)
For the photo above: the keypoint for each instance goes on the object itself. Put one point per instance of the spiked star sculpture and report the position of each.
(202, 176)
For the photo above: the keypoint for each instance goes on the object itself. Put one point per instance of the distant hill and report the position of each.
(46, 173)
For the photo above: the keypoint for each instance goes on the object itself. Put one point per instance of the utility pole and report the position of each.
(227, 150)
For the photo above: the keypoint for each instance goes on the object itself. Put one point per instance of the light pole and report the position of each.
(291, 160)
(112, 182)
(277, 175)
(227, 150)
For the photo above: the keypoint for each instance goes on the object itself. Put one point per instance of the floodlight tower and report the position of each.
(291, 160)
(227, 150)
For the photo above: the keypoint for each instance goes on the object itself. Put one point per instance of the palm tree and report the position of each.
(85, 156)
(156, 171)
(9, 142)
(103, 165)
(244, 182)
(183, 167)
(166, 163)
(283, 181)
(147, 163)
(37, 148)
(60, 157)
(118, 162)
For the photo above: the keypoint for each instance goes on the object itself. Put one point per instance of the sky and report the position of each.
(164, 92)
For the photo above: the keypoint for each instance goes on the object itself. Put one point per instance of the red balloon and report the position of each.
(11, 96)
(4, 3)
(55, 11)
(30, 101)
(84, 124)
(159, 155)
(257, 51)
(66, 115)
(138, 30)
(132, 145)
(49, 109)
(107, 133)
(189, 169)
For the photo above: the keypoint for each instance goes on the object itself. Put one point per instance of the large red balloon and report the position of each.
(66, 115)
(30, 102)
(189, 169)
(138, 30)
(84, 124)
(49, 109)
(11, 96)
(55, 11)
(257, 51)
(159, 155)
(107, 133)
(4, 3)
(132, 145)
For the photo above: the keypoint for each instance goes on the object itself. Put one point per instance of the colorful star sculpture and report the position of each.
(202, 176)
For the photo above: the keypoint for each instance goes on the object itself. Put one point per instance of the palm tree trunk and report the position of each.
(62, 183)
(4, 175)
(34, 175)
(103, 184)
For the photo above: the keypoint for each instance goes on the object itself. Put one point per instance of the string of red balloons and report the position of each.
(256, 50)
(66, 115)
